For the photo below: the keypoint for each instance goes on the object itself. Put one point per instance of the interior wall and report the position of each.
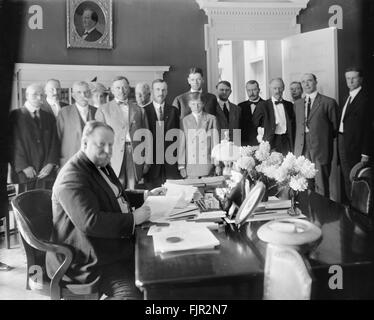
(145, 32)
(351, 39)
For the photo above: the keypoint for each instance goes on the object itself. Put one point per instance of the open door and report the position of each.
(315, 52)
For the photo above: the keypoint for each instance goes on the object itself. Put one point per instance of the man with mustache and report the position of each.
(94, 216)
(52, 91)
(71, 121)
(248, 108)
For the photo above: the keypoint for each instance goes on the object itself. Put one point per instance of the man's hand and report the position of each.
(142, 214)
(218, 170)
(160, 191)
(46, 171)
(183, 172)
(29, 172)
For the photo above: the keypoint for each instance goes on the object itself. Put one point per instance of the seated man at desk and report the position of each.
(200, 136)
(93, 214)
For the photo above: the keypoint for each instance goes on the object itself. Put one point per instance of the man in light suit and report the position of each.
(35, 145)
(248, 108)
(200, 136)
(52, 90)
(195, 80)
(162, 120)
(125, 117)
(94, 216)
(316, 125)
(227, 113)
(71, 121)
(277, 117)
(355, 139)
(89, 22)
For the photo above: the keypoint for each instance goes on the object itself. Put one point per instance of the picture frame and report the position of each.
(89, 24)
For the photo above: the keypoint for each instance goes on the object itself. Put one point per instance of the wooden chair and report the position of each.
(33, 213)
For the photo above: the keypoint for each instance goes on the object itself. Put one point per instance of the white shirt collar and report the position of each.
(274, 100)
(221, 103)
(201, 90)
(30, 108)
(312, 95)
(157, 105)
(126, 102)
(52, 102)
(90, 30)
(354, 92)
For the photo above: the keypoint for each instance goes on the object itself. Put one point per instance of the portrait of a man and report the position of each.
(90, 24)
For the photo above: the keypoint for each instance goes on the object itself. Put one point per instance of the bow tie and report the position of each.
(278, 102)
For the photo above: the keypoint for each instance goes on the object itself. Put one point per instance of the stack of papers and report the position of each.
(183, 236)
(199, 182)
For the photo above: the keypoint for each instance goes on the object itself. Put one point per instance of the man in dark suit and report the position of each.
(89, 22)
(162, 119)
(34, 144)
(248, 108)
(277, 118)
(126, 118)
(93, 215)
(355, 139)
(52, 91)
(196, 81)
(71, 121)
(316, 126)
(227, 113)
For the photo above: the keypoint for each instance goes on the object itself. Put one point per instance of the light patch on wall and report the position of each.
(36, 20)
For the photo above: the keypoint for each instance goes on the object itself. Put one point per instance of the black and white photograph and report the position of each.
(200, 151)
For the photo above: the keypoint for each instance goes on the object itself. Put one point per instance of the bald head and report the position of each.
(142, 93)
(35, 95)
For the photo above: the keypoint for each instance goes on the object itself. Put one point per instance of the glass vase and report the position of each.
(294, 210)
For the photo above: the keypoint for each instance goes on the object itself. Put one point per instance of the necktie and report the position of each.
(309, 104)
(161, 114)
(226, 112)
(36, 119)
(278, 102)
(346, 109)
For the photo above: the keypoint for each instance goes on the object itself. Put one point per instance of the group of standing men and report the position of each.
(47, 133)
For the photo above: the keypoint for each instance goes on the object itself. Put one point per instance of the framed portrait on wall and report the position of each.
(89, 24)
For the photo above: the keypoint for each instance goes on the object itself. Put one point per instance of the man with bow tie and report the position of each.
(126, 118)
(89, 22)
(277, 117)
(34, 143)
(71, 120)
(316, 126)
(162, 120)
(52, 91)
(248, 108)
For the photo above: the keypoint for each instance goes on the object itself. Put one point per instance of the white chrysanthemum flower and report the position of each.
(246, 163)
(263, 151)
(298, 183)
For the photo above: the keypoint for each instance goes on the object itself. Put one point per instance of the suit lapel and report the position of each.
(76, 116)
(316, 105)
(271, 112)
(221, 115)
(352, 105)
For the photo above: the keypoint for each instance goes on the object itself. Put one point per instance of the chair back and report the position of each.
(286, 275)
(362, 188)
(33, 212)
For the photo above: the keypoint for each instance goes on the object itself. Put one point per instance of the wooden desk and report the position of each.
(235, 269)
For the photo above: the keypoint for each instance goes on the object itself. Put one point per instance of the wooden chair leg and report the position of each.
(6, 230)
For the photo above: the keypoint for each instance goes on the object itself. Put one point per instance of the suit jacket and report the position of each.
(112, 114)
(171, 121)
(88, 218)
(264, 117)
(181, 102)
(69, 128)
(358, 128)
(30, 145)
(190, 156)
(47, 107)
(322, 124)
(94, 35)
(234, 120)
(247, 125)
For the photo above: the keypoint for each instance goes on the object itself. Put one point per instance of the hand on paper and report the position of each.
(142, 214)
